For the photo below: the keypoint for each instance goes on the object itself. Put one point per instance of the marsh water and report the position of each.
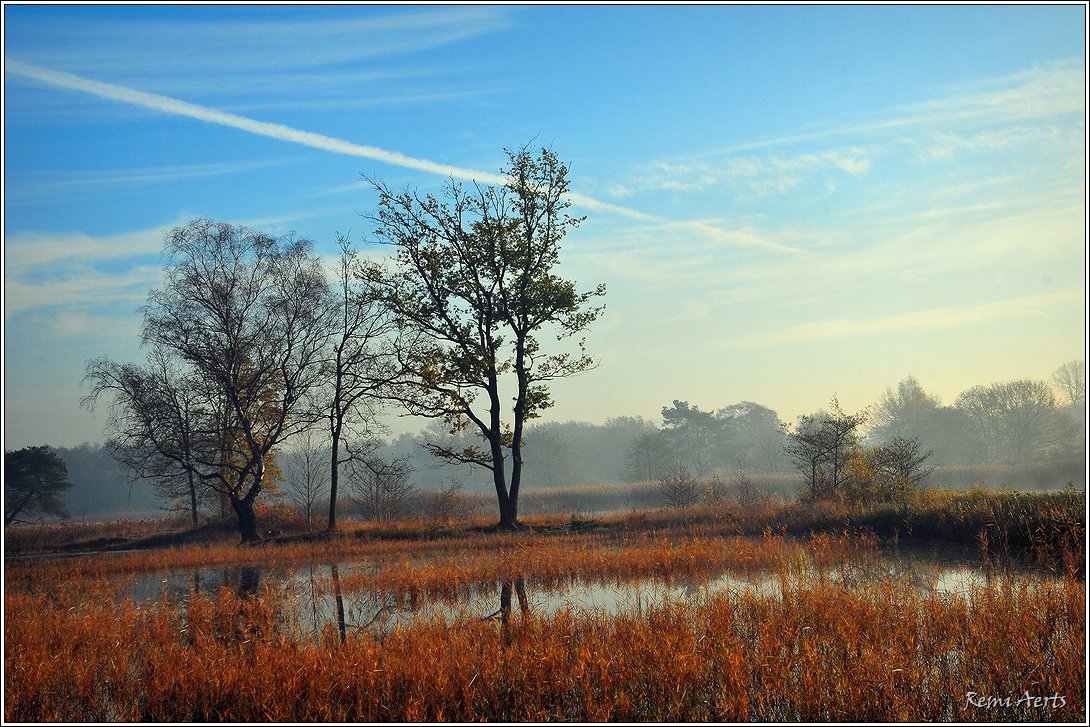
(312, 599)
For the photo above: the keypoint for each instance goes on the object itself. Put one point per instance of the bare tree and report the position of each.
(751, 433)
(749, 495)
(648, 457)
(1014, 421)
(360, 365)
(550, 459)
(1070, 379)
(903, 413)
(381, 489)
(306, 473)
(452, 503)
(978, 406)
(162, 419)
(1028, 421)
(241, 313)
(473, 286)
(903, 461)
(678, 488)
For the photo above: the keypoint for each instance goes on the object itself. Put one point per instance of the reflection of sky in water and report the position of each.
(311, 598)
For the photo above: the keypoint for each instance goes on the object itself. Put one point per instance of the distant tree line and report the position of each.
(1007, 423)
(1012, 422)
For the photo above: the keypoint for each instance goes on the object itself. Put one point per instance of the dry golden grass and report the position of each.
(814, 652)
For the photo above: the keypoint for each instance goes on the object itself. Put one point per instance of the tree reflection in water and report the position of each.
(339, 599)
(519, 587)
(249, 580)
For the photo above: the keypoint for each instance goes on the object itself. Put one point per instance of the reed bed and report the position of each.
(814, 652)
(550, 562)
(58, 570)
(450, 568)
(814, 648)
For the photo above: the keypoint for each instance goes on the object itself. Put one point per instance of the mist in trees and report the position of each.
(305, 466)
(632, 449)
(744, 434)
(1010, 422)
(103, 489)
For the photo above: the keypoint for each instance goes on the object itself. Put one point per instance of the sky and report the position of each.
(786, 203)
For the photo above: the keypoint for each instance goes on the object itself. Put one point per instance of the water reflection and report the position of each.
(249, 579)
(338, 597)
(519, 586)
(310, 599)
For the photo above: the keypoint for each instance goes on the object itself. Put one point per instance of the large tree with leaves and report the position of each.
(244, 316)
(34, 478)
(694, 434)
(472, 287)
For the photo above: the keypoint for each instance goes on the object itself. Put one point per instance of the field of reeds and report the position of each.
(828, 632)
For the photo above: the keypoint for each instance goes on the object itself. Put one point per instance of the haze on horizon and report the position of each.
(913, 204)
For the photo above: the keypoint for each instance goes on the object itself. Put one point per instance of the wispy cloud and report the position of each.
(181, 47)
(26, 251)
(69, 323)
(991, 115)
(33, 189)
(79, 288)
(78, 280)
(1042, 91)
(84, 279)
(252, 66)
(945, 145)
(929, 319)
(748, 176)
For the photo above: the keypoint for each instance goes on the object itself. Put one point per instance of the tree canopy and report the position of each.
(34, 478)
(239, 325)
(472, 287)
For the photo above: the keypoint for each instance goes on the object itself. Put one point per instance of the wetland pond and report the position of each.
(313, 598)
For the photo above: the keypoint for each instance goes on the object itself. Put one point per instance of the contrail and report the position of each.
(276, 131)
(174, 106)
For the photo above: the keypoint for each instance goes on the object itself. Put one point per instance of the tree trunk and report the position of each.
(503, 497)
(509, 513)
(334, 471)
(341, 626)
(507, 521)
(192, 496)
(512, 518)
(247, 519)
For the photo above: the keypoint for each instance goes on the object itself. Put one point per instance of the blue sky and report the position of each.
(785, 203)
